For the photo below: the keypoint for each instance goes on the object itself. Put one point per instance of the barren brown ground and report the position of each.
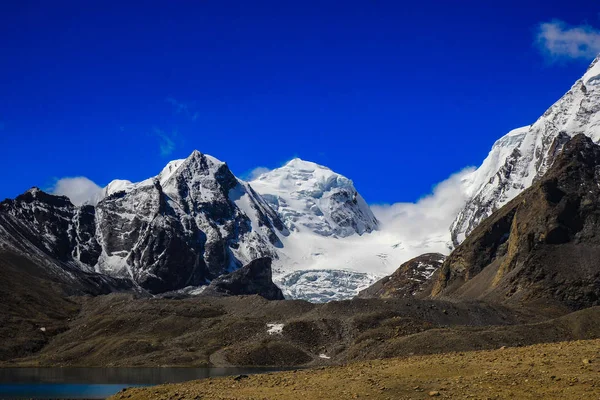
(566, 370)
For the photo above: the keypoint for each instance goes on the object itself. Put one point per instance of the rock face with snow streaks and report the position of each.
(542, 247)
(521, 158)
(190, 224)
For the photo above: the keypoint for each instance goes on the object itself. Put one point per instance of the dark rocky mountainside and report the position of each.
(543, 246)
(49, 233)
(406, 281)
(253, 278)
(38, 301)
(124, 330)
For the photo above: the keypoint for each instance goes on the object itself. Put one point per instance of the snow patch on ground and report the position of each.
(275, 329)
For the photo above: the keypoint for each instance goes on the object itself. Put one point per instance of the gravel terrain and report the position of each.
(566, 370)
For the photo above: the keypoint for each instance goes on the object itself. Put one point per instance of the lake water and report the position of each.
(98, 383)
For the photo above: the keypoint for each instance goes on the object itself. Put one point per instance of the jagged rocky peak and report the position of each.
(543, 246)
(523, 156)
(408, 280)
(189, 224)
(195, 166)
(310, 197)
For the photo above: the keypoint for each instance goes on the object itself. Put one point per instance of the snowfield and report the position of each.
(336, 246)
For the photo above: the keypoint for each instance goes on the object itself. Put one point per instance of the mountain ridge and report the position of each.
(191, 223)
(522, 156)
(540, 247)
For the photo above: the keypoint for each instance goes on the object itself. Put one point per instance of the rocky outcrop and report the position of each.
(408, 280)
(253, 278)
(543, 246)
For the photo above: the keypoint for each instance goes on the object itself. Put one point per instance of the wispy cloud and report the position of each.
(166, 141)
(186, 109)
(559, 40)
(79, 190)
(255, 173)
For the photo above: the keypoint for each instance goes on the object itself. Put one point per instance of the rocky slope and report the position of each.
(543, 246)
(54, 236)
(125, 330)
(521, 158)
(406, 281)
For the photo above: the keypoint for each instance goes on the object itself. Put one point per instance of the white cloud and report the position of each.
(429, 217)
(255, 173)
(561, 41)
(78, 189)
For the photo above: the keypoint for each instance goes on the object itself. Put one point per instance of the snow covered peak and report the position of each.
(196, 162)
(115, 186)
(592, 75)
(308, 196)
(298, 163)
(523, 155)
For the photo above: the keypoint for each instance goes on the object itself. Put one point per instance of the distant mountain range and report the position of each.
(195, 221)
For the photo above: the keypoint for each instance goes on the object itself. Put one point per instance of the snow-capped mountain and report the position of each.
(324, 213)
(336, 246)
(56, 236)
(195, 220)
(189, 224)
(523, 155)
(192, 222)
(311, 197)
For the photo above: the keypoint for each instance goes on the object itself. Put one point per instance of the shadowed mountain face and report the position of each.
(406, 281)
(253, 278)
(543, 246)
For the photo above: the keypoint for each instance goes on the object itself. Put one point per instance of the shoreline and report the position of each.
(564, 370)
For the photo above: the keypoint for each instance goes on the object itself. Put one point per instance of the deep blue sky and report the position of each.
(395, 95)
